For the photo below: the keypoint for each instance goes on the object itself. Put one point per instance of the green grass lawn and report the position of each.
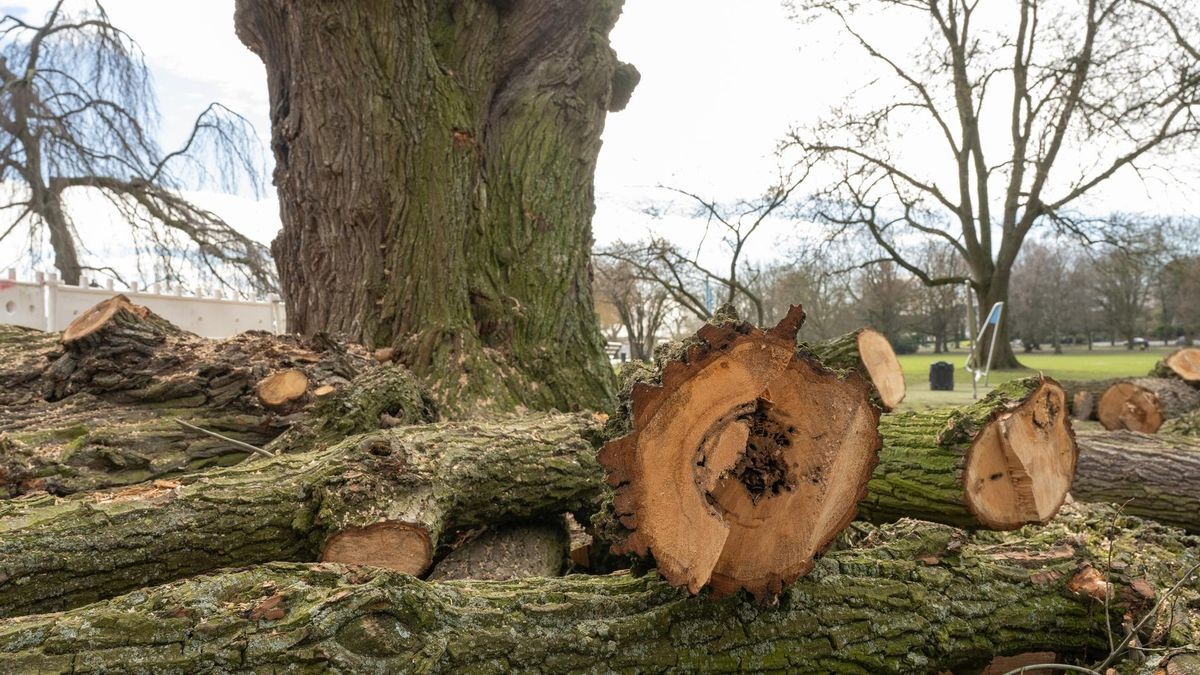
(1074, 363)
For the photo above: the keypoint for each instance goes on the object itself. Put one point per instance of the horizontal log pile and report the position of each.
(1183, 363)
(383, 498)
(97, 408)
(909, 597)
(734, 463)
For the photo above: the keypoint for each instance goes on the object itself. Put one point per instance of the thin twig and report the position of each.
(241, 444)
(1149, 615)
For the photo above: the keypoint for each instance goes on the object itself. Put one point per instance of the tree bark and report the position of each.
(1154, 477)
(435, 163)
(383, 498)
(1004, 358)
(1001, 463)
(868, 352)
(911, 598)
(514, 551)
(1144, 403)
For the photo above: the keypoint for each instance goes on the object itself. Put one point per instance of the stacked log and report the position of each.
(909, 598)
(1183, 364)
(870, 353)
(1083, 396)
(120, 376)
(1144, 403)
(383, 499)
(1000, 463)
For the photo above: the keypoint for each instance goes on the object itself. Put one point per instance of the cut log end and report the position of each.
(1185, 364)
(882, 366)
(392, 545)
(282, 388)
(744, 465)
(99, 316)
(1019, 468)
(1129, 406)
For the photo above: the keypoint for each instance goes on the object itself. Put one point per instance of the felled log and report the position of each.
(1187, 424)
(509, 551)
(911, 598)
(1183, 363)
(1083, 396)
(1000, 463)
(1152, 476)
(743, 459)
(84, 443)
(1144, 403)
(384, 499)
(869, 352)
(24, 356)
(124, 353)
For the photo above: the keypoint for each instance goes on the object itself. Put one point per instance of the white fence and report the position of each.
(49, 304)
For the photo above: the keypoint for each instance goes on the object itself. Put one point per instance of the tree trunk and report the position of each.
(1001, 463)
(434, 162)
(743, 459)
(1149, 476)
(382, 499)
(912, 598)
(1004, 357)
(1144, 403)
(870, 353)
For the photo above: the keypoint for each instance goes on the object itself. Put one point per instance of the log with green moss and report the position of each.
(1152, 476)
(910, 597)
(870, 353)
(1183, 363)
(383, 498)
(85, 443)
(999, 463)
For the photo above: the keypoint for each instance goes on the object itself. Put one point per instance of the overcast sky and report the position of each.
(721, 84)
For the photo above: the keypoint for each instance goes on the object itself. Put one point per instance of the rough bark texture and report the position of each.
(1152, 476)
(384, 497)
(869, 353)
(946, 465)
(1144, 403)
(435, 162)
(85, 443)
(1184, 425)
(909, 598)
(506, 552)
(742, 463)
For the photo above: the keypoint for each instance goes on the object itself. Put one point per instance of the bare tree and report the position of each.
(684, 276)
(1087, 88)
(77, 110)
(640, 305)
(938, 311)
(883, 295)
(1123, 291)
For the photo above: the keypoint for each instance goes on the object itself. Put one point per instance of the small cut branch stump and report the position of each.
(743, 459)
(870, 353)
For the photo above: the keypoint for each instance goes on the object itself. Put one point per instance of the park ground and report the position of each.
(1075, 363)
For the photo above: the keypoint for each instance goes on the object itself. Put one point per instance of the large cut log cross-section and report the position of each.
(743, 462)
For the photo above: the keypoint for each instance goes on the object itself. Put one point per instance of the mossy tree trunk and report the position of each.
(383, 499)
(909, 598)
(435, 162)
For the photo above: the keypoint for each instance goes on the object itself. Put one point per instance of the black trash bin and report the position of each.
(941, 376)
